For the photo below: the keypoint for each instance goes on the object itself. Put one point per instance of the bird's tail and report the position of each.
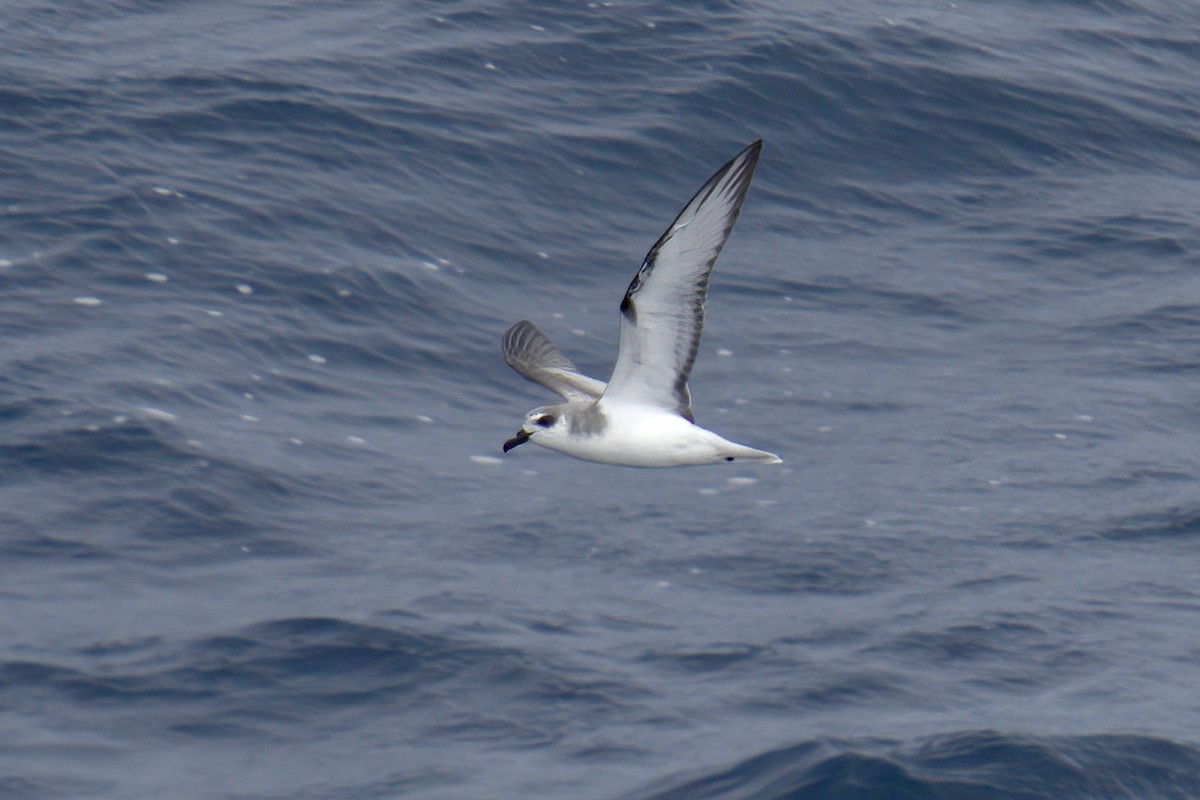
(739, 452)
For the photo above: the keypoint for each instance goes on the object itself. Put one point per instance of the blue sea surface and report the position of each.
(258, 540)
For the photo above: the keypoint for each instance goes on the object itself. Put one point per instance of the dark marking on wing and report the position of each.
(685, 399)
(663, 315)
(643, 273)
(628, 310)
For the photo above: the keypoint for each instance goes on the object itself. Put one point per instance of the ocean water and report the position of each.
(257, 538)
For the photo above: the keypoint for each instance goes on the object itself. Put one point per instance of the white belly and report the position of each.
(641, 436)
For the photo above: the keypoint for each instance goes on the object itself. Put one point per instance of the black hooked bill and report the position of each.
(521, 438)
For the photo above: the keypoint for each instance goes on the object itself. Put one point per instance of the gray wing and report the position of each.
(531, 353)
(663, 311)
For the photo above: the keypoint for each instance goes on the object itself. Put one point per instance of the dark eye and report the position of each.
(544, 421)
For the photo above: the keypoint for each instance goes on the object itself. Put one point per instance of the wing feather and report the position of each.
(531, 353)
(662, 314)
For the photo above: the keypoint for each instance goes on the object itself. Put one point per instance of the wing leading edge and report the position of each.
(662, 314)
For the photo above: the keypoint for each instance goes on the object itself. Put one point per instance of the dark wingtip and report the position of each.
(750, 153)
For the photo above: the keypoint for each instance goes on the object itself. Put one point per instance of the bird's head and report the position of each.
(542, 425)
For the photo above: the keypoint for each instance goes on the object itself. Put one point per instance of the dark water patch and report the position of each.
(1149, 475)
(969, 642)
(294, 678)
(208, 729)
(24, 406)
(1156, 341)
(196, 512)
(978, 766)
(135, 491)
(608, 754)
(1178, 523)
(560, 625)
(16, 787)
(26, 544)
(1102, 246)
(849, 294)
(1008, 655)
(273, 673)
(1067, 767)
(713, 658)
(825, 636)
(403, 782)
(910, 115)
(478, 726)
(1173, 319)
(855, 688)
(851, 406)
(120, 647)
(991, 581)
(1162, 49)
(1170, 366)
(522, 541)
(1105, 7)
(25, 682)
(353, 294)
(847, 572)
(130, 447)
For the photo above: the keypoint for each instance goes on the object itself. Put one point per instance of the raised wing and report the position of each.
(663, 311)
(531, 353)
